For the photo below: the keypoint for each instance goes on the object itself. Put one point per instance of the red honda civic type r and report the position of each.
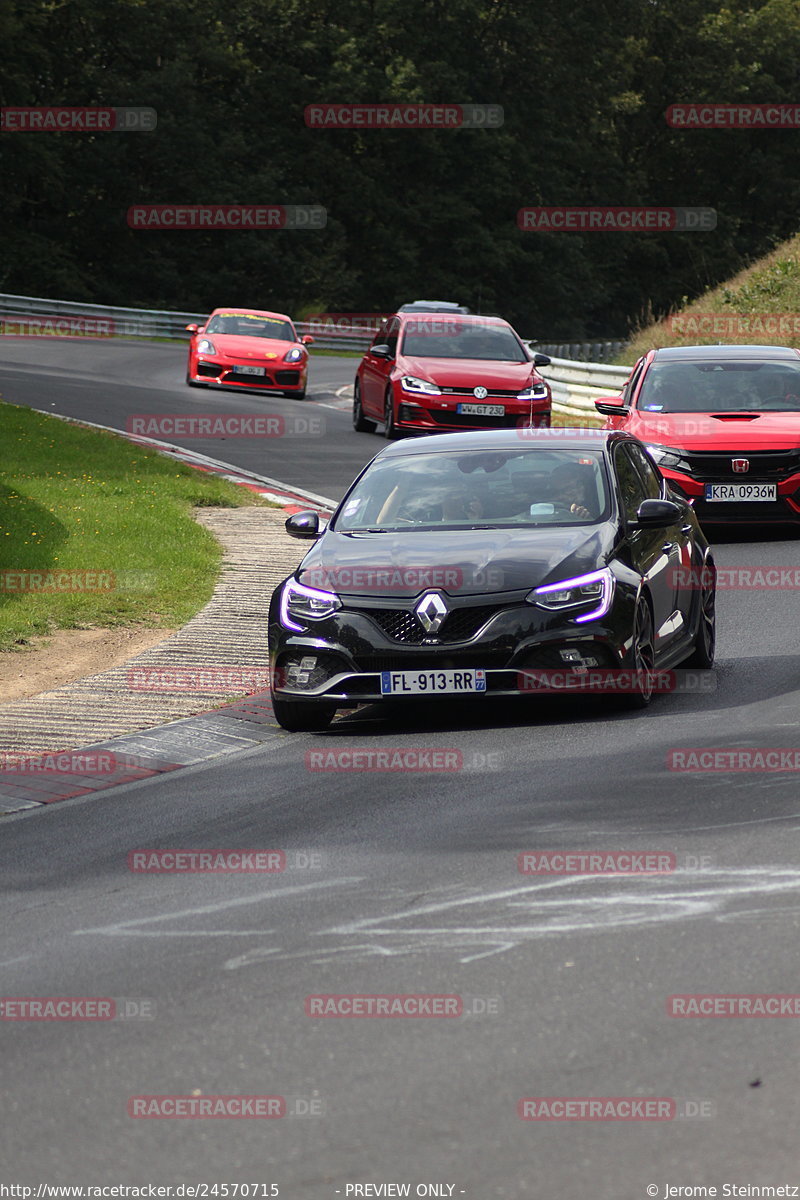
(435, 372)
(723, 424)
(248, 348)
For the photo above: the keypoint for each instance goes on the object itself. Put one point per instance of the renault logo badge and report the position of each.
(431, 611)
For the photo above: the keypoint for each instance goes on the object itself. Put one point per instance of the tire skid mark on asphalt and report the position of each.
(644, 902)
(130, 928)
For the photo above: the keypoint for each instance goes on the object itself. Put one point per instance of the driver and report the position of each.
(569, 490)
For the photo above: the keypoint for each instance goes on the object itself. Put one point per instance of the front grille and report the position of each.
(436, 661)
(766, 464)
(210, 370)
(470, 391)
(239, 377)
(473, 421)
(403, 626)
(287, 378)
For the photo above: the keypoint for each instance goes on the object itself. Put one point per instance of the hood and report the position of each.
(458, 562)
(722, 431)
(237, 346)
(468, 372)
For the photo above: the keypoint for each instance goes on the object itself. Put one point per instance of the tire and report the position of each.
(296, 395)
(302, 717)
(643, 653)
(390, 430)
(702, 656)
(360, 422)
(191, 382)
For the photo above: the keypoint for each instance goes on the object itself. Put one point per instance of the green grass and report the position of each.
(78, 499)
(768, 287)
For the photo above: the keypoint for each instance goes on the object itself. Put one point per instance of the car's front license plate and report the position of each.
(482, 410)
(421, 683)
(250, 370)
(741, 491)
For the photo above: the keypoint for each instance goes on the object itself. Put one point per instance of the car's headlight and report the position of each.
(595, 589)
(420, 386)
(293, 355)
(306, 604)
(535, 390)
(204, 346)
(665, 456)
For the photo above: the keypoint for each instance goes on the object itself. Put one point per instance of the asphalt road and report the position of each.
(415, 889)
(112, 382)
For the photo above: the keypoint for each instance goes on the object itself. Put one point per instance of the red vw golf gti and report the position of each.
(251, 349)
(431, 373)
(723, 424)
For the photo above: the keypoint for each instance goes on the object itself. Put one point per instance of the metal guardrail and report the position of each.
(592, 352)
(575, 383)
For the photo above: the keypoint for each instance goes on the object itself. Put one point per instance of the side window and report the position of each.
(391, 336)
(631, 487)
(650, 477)
(629, 390)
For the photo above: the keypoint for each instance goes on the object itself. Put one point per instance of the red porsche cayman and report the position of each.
(248, 348)
(723, 424)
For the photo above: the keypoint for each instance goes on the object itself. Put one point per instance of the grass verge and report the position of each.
(116, 517)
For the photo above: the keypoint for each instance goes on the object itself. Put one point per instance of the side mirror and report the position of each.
(192, 328)
(656, 514)
(304, 525)
(307, 339)
(541, 360)
(612, 406)
(380, 351)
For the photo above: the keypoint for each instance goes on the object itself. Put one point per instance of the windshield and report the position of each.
(440, 337)
(714, 386)
(244, 325)
(478, 489)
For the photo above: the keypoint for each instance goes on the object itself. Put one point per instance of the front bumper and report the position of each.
(784, 510)
(432, 414)
(343, 662)
(278, 377)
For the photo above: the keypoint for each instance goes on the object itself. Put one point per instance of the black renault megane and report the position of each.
(467, 564)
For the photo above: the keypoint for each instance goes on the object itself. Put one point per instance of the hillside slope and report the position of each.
(761, 304)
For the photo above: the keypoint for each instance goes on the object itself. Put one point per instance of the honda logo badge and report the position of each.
(740, 465)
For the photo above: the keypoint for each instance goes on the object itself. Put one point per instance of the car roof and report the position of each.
(463, 318)
(432, 306)
(232, 310)
(767, 353)
(508, 439)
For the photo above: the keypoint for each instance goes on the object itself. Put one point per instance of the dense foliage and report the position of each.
(584, 88)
